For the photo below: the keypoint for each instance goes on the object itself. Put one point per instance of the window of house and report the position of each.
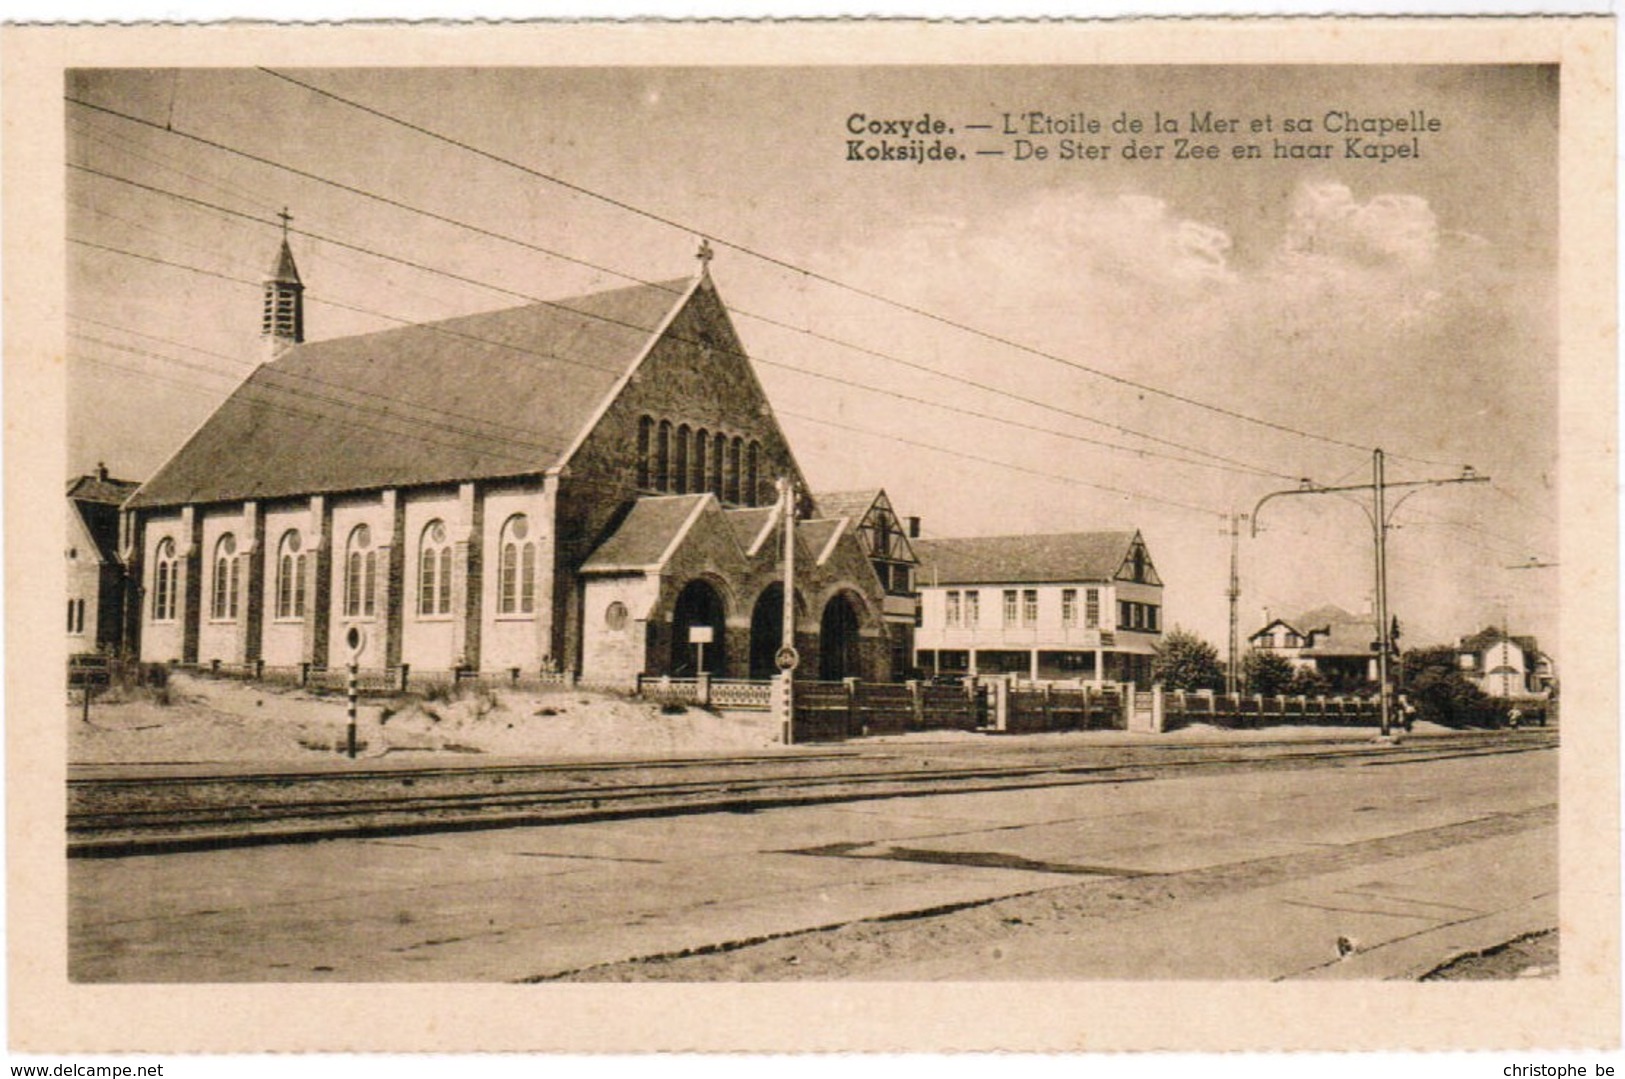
(1029, 607)
(646, 432)
(951, 609)
(290, 576)
(360, 574)
(76, 616)
(166, 575)
(973, 608)
(1069, 606)
(516, 581)
(1153, 614)
(1091, 608)
(1009, 606)
(223, 606)
(753, 464)
(1125, 614)
(679, 479)
(434, 570)
(615, 615)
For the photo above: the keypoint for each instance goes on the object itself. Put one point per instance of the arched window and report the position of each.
(752, 477)
(697, 479)
(663, 457)
(224, 591)
(646, 431)
(165, 577)
(731, 493)
(360, 574)
(516, 581)
(679, 477)
(719, 450)
(434, 570)
(290, 576)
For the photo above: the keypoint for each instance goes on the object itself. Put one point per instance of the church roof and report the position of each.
(1069, 556)
(503, 393)
(646, 534)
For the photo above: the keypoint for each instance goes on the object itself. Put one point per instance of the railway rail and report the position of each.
(153, 812)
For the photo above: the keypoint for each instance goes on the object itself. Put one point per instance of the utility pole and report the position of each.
(1384, 644)
(1381, 515)
(1232, 673)
(787, 651)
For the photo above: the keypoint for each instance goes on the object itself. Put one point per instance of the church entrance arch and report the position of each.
(766, 631)
(839, 654)
(698, 604)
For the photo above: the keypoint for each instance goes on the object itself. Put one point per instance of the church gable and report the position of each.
(690, 416)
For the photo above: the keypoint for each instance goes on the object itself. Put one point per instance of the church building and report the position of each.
(586, 485)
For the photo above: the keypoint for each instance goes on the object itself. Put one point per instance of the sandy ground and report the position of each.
(207, 720)
(214, 720)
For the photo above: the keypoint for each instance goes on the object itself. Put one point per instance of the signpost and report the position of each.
(89, 672)
(355, 640)
(699, 637)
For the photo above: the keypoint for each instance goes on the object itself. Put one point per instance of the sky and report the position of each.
(1146, 343)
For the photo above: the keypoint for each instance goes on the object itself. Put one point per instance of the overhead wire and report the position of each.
(766, 319)
(828, 280)
(1225, 463)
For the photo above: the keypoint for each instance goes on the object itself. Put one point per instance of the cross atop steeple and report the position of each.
(705, 254)
(286, 217)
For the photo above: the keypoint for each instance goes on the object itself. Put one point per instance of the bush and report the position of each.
(1266, 672)
(1185, 661)
(1308, 682)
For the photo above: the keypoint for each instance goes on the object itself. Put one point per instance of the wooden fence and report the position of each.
(1063, 708)
(829, 711)
(1257, 710)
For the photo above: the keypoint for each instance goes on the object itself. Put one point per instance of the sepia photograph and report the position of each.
(1073, 520)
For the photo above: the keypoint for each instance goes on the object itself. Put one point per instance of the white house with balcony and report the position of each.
(1073, 606)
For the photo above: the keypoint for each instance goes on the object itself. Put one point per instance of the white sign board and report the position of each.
(699, 634)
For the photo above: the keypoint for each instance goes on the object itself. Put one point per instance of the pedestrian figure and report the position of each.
(1514, 716)
(1407, 712)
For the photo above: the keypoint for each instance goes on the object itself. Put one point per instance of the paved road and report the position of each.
(1246, 875)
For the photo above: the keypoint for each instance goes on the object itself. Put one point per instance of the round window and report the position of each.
(520, 527)
(293, 541)
(362, 536)
(437, 533)
(615, 615)
(228, 544)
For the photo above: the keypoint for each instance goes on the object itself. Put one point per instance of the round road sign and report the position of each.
(786, 658)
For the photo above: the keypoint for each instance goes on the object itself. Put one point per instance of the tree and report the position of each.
(1444, 695)
(1266, 672)
(1185, 661)
(1309, 682)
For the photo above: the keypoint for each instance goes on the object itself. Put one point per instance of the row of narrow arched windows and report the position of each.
(516, 580)
(679, 459)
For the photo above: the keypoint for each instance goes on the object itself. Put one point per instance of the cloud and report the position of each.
(1327, 221)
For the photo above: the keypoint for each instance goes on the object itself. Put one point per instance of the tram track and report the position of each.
(111, 816)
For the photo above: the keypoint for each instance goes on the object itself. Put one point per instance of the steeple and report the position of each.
(283, 321)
